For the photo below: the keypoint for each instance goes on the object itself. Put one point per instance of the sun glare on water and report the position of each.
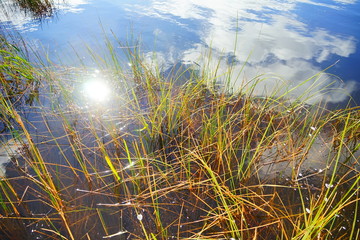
(97, 91)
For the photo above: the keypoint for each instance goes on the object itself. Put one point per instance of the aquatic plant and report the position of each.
(161, 160)
(19, 79)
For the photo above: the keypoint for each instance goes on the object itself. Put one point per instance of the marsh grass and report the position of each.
(167, 160)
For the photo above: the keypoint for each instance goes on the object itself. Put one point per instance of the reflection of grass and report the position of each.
(37, 8)
(18, 79)
(178, 161)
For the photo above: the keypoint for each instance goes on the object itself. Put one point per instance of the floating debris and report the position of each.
(115, 234)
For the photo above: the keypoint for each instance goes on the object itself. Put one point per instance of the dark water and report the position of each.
(286, 40)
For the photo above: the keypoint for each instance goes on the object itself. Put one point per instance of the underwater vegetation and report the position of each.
(150, 155)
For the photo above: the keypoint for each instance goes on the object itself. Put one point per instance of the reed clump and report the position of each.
(166, 160)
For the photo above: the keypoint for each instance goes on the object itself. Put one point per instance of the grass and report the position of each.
(162, 160)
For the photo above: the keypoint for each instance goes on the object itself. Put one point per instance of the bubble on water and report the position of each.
(313, 128)
(140, 217)
(307, 210)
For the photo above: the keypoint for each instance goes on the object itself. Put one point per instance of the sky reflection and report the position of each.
(270, 38)
(289, 40)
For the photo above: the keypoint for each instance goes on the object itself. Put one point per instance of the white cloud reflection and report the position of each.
(346, 1)
(279, 43)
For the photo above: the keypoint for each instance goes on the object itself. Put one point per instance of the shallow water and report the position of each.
(320, 159)
(289, 41)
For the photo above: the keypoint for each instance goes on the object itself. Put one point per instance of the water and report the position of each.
(286, 40)
(290, 40)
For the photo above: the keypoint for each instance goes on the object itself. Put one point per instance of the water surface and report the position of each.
(289, 41)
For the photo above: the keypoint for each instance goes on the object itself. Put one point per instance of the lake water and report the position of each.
(286, 40)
